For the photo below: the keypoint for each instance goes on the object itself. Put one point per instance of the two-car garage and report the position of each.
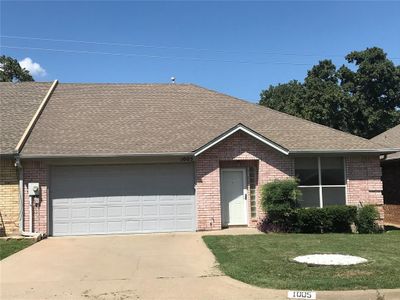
(128, 198)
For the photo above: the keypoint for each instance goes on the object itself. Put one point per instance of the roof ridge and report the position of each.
(283, 113)
(387, 131)
(124, 83)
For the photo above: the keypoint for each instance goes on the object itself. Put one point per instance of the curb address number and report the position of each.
(302, 295)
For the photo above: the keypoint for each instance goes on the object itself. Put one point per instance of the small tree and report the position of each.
(10, 70)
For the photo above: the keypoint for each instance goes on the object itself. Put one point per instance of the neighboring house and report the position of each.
(120, 158)
(18, 104)
(391, 174)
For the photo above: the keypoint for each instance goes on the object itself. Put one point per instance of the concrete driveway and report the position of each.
(153, 266)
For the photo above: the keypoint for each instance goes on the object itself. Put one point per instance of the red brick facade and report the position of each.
(238, 147)
(239, 150)
(364, 184)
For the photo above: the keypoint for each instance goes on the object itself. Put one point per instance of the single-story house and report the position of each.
(130, 158)
(391, 174)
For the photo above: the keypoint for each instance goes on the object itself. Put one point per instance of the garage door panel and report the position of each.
(184, 209)
(133, 225)
(167, 210)
(114, 211)
(61, 228)
(80, 227)
(150, 225)
(168, 225)
(115, 226)
(133, 211)
(122, 199)
(79, 212)
(183, 224)
(150, 210)
(61, 213)
(97, 227)
(97, 212)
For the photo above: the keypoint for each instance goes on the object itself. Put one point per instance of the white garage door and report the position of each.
(122, 199)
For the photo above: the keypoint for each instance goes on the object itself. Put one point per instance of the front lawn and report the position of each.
(11, 246)
(266, 260)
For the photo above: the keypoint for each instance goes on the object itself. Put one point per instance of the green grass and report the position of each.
(266, 260)
(8, 247)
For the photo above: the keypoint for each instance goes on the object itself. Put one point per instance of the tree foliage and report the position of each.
(363, 99)
(11, 71)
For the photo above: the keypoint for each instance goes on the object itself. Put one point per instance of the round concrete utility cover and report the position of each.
(330, 260)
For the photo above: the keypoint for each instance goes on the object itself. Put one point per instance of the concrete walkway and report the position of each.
(152, 266)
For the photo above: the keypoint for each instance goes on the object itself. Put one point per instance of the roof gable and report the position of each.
(241, 127)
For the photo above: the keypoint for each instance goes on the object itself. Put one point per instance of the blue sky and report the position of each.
(238, 48)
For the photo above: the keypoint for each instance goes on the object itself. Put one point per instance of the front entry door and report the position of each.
(233, 202)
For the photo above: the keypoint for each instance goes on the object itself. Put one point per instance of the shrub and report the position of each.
(340, 218)
(310, 220)
(366, 219)
(327, 219)
(279, 200)
(280, 193)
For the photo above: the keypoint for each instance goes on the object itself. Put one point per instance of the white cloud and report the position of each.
(34, 68)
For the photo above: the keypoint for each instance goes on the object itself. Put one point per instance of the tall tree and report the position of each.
(375, 91)
(10, 70)
(364, 102)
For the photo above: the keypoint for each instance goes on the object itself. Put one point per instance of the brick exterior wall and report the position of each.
(238, 147)
(239, 150)
(9, 195)
(36, 171)
(364, 184)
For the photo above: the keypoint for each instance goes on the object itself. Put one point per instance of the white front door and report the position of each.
(233, 201)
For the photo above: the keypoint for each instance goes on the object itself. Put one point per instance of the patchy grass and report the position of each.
(11, 246)
(266, 260)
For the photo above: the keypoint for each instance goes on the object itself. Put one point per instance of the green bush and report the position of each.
(366, 219)
(340, 218)
(281, 219)
(280, 194)
(279, 200)
(327, 219)
(310, 220)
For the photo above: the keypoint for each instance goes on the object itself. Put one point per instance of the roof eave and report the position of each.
(350, 151)
(122, 155)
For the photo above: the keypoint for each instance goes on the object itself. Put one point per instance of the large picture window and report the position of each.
(322, 181)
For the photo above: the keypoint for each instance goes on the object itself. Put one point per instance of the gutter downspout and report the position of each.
(18, 165)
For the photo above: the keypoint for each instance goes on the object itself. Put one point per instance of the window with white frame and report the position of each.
(322, 181)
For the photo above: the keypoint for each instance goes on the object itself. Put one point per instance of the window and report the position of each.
(252, 183)
(322, 181)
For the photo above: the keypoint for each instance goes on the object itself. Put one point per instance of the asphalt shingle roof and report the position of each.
(18, 104)
(123, 119)
(390, 138)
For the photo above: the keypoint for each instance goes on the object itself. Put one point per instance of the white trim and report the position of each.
(246, 130)
(35, 117)
(245, 211)
(321, 203)
(122, 155)
(336, 151)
